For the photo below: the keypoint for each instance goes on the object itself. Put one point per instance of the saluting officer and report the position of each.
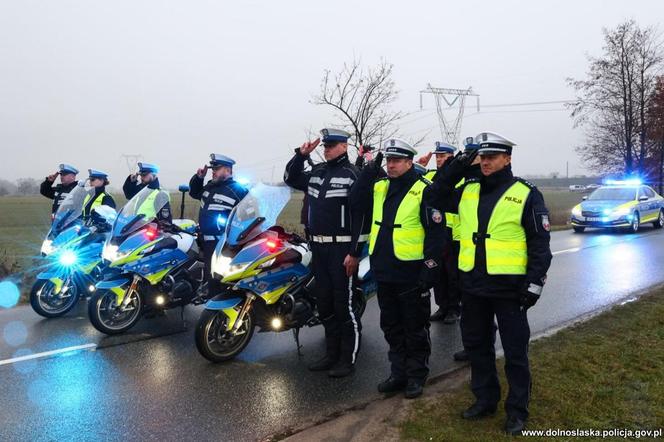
(335, 247)
(503, 259)
(59, 192)
(98, 180)
(405, 245)
(145, 177)
(218, 197)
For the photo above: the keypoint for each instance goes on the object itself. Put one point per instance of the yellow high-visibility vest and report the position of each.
(407, 230)
(505, 241)
(97, 202)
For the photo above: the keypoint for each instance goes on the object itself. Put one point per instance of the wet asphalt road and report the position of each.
(152, 384)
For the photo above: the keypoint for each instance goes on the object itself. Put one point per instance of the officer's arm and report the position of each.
(46, 189)
(535, 222)
(196, 187)
(433, 221)
(361, 208)
(294, 175)
(129, 188)
(108, 201)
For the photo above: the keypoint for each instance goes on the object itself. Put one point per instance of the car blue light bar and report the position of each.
(629, 182)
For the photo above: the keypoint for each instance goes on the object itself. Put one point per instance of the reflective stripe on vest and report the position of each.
(407, 231)
(505, 242)
(97, 202)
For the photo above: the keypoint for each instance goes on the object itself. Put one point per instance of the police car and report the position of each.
(619, 204)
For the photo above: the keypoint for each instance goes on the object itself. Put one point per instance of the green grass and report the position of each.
(605, 373)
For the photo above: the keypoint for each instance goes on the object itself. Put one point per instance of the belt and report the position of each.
(333, 239)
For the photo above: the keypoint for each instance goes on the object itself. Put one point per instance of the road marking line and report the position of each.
(48, 353)
(572, 250)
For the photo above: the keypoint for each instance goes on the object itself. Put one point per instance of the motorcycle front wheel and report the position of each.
(217, 344)
(48, 302)
(110, 318)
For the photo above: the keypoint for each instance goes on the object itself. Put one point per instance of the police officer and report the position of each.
(145, 177)
(218, 197)
(98, 180)
(58, 192)
(503, 259)
(335, 248)
(405, 245)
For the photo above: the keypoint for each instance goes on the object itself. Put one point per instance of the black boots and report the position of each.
(478, 411)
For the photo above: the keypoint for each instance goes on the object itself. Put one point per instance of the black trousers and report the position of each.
(334, 299)
(479, 336)
(404, 319)
(214, 285)
(446, 292)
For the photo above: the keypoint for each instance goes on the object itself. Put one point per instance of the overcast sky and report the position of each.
(86, 81)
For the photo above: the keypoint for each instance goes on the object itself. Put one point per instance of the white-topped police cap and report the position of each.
(67, 168)
(93, 174)
(442, 147)
(221, 160)
(147, 168)
(491, 142)
(329, 135)
(398, 149)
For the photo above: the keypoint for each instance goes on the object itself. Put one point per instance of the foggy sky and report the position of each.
(86, 81)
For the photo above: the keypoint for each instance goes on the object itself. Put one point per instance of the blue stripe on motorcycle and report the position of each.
(111, 284)
(222, 304)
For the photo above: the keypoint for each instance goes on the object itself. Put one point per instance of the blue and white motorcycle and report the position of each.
(72, 251)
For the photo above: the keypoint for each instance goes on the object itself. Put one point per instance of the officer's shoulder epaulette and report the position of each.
(424, 180)
(526, 182)
(471, 180)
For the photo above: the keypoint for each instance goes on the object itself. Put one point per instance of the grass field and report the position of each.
(25, 220)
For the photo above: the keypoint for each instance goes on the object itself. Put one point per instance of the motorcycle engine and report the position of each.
(297, 314)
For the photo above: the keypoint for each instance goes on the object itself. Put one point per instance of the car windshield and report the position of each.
(140, 210)
(71, 207)
(613, 193)
(257, 212)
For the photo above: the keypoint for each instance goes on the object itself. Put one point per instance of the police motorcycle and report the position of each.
(72, 252)
(266, 279)
(152, 266)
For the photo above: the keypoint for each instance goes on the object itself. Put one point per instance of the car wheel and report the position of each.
(636, 223)
(660, 220)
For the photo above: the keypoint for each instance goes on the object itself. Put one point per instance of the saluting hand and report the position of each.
(201, 172)
(52, 177)
(424, 160)
(309, 146)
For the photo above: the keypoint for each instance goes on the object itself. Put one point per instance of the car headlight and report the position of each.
(622, 212)
(110, 253)
(576, 211)
(47, 247)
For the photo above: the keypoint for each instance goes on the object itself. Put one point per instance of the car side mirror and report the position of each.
(183, 188)
(643, 198)
(585, 198)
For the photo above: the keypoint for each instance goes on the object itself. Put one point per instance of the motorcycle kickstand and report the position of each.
(296, 336)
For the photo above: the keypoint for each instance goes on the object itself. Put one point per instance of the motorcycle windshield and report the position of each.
(257, 212)
(139, 211)
(70, 209)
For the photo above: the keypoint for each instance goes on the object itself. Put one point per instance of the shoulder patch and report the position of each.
(526, 182)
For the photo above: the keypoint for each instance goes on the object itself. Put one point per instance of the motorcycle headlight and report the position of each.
(576, 211)
(110, 253)
(68, 258)
(47, 247)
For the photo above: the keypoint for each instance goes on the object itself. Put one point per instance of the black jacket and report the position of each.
(217, 198)
(385, 266)
(57, 193)
(131, 188)
(327, 186)
(535, 221)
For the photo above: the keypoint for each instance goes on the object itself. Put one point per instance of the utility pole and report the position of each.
(445, 99)
(132, 160)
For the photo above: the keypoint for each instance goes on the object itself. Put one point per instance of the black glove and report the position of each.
(429, 275)
(529, 295)
(378, 161)
(456, 169)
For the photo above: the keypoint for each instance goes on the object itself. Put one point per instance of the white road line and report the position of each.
(572, 250)
(48, 353)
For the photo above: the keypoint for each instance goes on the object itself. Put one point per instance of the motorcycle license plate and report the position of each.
(593, 219)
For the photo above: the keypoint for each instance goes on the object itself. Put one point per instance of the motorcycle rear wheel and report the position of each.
(215, 343)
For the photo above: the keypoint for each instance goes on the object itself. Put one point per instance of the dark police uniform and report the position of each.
(58, 192)
(503, 259)
(131, 188)
(405, 245)
(329, 222)
(217, 200)
(100, 197)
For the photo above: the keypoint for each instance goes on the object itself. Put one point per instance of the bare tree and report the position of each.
(656, 133)
(27, 186)
(613, 100)
(362, 98)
